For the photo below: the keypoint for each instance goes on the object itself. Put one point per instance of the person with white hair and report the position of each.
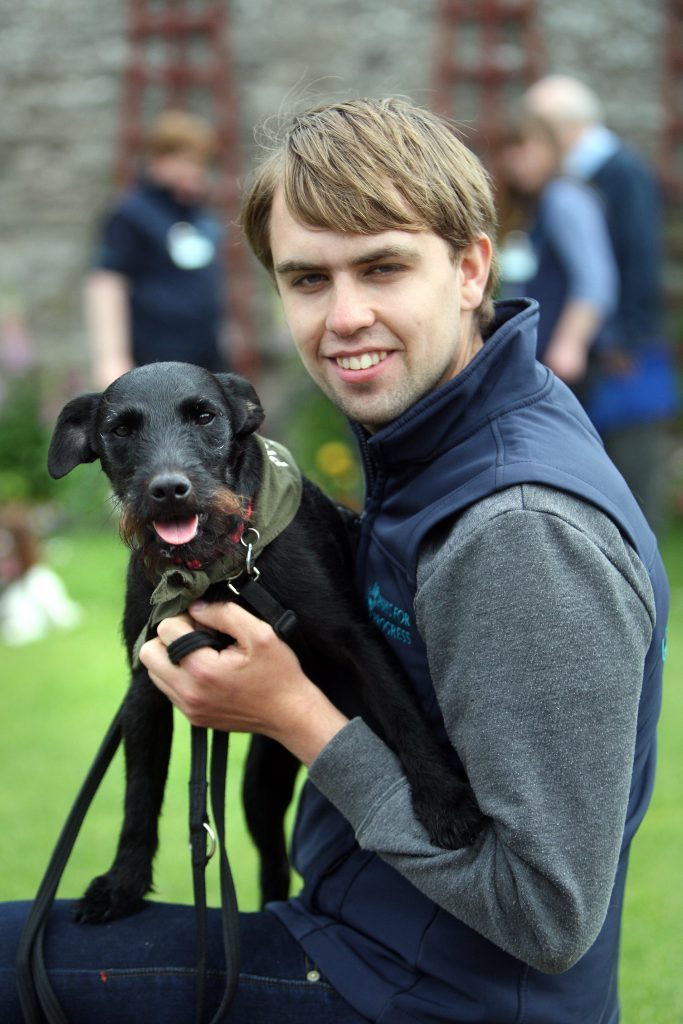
(633, 390)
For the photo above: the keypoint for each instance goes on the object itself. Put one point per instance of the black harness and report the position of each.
(38, 1000)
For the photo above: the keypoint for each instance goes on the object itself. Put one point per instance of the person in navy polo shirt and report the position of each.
(156, 291)
(505, 561)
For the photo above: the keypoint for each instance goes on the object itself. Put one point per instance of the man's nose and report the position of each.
(349, 310)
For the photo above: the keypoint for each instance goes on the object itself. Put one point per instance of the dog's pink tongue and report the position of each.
(178, 531)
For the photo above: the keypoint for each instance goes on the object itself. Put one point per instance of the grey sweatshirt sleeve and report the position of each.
(537, 617)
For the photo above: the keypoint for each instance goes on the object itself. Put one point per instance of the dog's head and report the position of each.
(174, 441)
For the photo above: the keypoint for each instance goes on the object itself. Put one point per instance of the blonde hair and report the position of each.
(176, 131)
(366, 166)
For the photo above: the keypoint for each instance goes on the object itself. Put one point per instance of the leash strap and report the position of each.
(283, 620)
(38, 1001)
(199, 829)
(229, 909)
(285, 625)
(199, 826)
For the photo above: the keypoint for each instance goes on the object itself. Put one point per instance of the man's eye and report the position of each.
(383, 269)
(308, 280)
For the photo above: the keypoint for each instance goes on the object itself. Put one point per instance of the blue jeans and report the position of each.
(142, 968)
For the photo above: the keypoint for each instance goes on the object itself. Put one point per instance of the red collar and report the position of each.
(194, 564)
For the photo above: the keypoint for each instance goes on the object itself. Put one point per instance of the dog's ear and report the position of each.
(71, 442)
(250, 414)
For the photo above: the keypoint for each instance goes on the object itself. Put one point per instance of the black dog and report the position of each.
(178, 446)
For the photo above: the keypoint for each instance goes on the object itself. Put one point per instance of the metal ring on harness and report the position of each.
(213, 842)
(249, 565)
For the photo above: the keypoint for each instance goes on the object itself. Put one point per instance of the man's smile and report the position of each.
(360, 362)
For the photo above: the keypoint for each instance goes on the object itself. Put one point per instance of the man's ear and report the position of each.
(73, 438)
(249, 411)
(475, 267)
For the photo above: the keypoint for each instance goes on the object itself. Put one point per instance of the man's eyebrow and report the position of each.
(384, 252)
(289, 266)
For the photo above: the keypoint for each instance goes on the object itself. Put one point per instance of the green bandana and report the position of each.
(274, 507)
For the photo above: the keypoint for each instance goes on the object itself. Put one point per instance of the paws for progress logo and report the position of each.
(393, 621)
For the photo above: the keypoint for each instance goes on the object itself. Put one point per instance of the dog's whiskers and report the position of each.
(131, 530)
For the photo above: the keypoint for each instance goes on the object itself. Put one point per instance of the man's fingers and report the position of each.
(169, 630)
(227, 617)
(154, 653)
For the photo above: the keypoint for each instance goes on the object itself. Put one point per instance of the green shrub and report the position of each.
(24, 441)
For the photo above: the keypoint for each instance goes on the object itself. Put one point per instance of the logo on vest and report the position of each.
(393, 621)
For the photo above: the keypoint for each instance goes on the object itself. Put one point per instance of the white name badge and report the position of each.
(188, 248)
(517, 260)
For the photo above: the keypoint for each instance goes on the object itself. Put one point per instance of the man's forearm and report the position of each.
(570, 343)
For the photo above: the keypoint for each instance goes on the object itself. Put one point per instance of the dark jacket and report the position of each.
(388, 949)
(632, 203)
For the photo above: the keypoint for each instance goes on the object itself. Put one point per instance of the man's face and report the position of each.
(378, 320)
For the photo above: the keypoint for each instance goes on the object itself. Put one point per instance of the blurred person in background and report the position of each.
(633, 392)
(156, 289)
(33, 599)
(555, 248)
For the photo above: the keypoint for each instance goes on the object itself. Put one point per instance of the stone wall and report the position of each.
(60, 65)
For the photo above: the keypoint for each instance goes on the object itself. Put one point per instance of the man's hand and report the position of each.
(254, 685)
(575, 331)
(568, 360)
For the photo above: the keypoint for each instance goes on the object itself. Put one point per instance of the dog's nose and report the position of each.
(170, 487)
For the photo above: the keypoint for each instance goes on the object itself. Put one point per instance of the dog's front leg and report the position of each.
(442, 798)
(147, 733)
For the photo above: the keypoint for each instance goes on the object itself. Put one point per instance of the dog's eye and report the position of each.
(122, 430)
(203, 417)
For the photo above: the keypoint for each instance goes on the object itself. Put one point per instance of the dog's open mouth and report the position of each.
(177, 531)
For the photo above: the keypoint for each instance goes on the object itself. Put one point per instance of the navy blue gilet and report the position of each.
(388, 949)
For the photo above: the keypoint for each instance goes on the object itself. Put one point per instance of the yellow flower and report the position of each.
(335, 459)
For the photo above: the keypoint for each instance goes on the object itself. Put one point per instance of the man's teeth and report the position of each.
(363, 362)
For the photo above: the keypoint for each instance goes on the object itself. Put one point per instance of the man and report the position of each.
(156, 290)
(634, 383)
(532, 604)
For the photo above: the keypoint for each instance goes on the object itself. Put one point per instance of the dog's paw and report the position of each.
(105, 900)
(452, 821)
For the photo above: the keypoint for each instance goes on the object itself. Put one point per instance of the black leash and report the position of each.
(35, 992)
(38, 1001)
(200, 829)
(285, 625)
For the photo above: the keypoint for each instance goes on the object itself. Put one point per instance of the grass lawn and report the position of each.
(59, 695)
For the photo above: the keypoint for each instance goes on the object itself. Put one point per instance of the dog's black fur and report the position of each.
(176, 440)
